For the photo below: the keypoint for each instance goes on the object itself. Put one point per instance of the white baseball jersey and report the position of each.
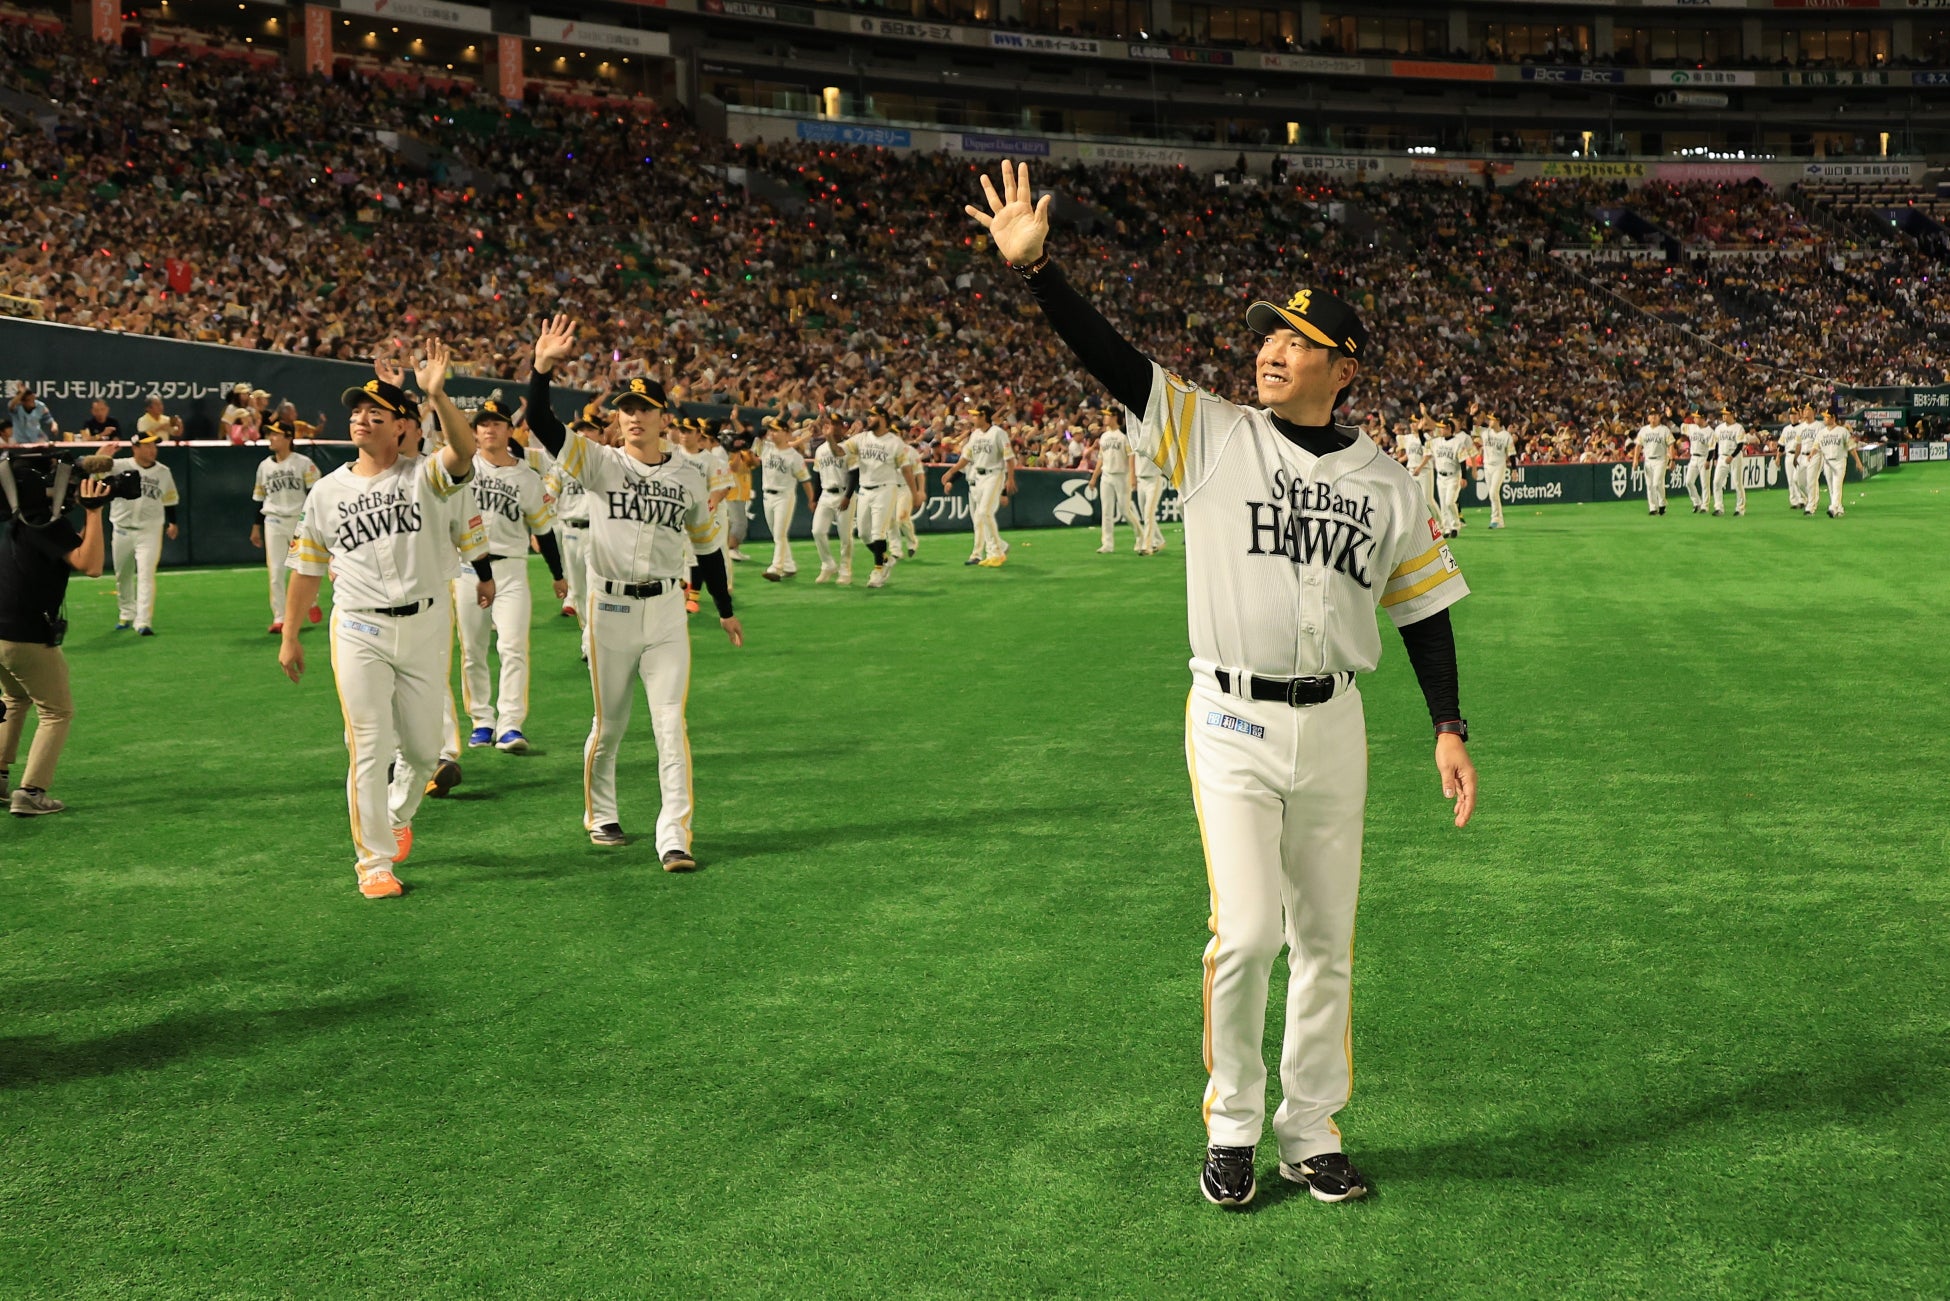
(1655, 441)
(716, 463)
(281, 485)
(146, 511)
(782, 468)
(1412, 449)
(1499, 445)
(1288, 554)
(988, 450)
(639, 515)
(1148, 471)
(380, 537)
(1729, 437)
(1833, 441)
(512, 503)
(571, 502)
(881, 457)
(1699, 440)
(833, 467)
(1114, 452)
(1450, 453)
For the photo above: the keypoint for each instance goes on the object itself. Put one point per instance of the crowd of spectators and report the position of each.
(218, 201)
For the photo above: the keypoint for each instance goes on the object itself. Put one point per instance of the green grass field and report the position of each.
(1671, 1018)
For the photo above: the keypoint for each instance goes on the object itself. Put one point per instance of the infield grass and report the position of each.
(1671, 1018)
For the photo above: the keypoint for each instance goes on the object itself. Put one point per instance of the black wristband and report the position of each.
(483, 570)
(1030, 270)
(1456, 727)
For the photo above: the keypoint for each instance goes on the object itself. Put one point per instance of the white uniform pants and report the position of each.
(137, 553)
(1114, 505)
(780, 507)
(1655, 484)
(575, 568)
(1280, 794)
(984, 499)
(826, 515)
(277, 555)
(1697, 479)
(634, 639)
(1150, 495)
(391, 673)
(1835, 472)
(1448, 489)
(1427, 480)
(1495, 476)
(1810, 473)
(1791, 469)
(902, 528)
(1732, 471)
(506, 623)
(874, 511)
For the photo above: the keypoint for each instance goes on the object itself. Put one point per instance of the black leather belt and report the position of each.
(577, 523)
(402, 611)
(492, 559)
(637, 591)
(1287, 691)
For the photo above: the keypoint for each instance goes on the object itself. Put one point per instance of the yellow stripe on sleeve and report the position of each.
(1433, 581)
(1410, 566)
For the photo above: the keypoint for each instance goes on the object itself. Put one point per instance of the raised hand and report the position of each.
(556, 342)
(431, 368)
(385, 364)
(1015, 221)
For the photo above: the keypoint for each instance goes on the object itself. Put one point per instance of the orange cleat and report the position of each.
(277, 626)
(568, 612)
(380, 884)
(316, 614)
(402, 843)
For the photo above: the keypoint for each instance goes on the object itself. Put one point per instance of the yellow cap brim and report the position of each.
(1264, 318)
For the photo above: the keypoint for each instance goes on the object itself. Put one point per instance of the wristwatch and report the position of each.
(1456, 727)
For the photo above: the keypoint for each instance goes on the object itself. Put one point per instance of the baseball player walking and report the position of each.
(368, 524)
(1699, 459)
(1788, 444)
(1115, 484)
(1730, 444)
(1835, 444)
(1446, 452)
(1295, 531)
(1414, 440)
(835, 464)
(572, 521)
(1499, 446)
(1650, 447)
(988, 460)
(782, 469)
(644, 502)
(141, 524)
(283, 479)
(513, 506)
(886, 465)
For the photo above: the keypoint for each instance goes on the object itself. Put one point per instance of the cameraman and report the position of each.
(35, 564)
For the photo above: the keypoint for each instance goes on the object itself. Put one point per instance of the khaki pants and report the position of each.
(36, 673)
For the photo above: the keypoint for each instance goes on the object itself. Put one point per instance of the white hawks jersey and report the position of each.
(1450, 453)
(1289, 554)
(1729, 437)
(1699, 440)
(1114, 452)
(1499, 445)
(1655, 441)
(571, 502)
(988, 450)
(716, 463)
(512, 504)
(782, 467)
(1412, 447)
(833, 467)
(640, 515)
(146, 511)
(381, 538)
(881, 457)
(281, 485)
(1833, 442)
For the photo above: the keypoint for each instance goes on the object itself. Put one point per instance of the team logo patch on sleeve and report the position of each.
(1435, 534)
(1234, 724)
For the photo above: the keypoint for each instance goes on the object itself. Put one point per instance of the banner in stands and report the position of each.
(1858, 173)
(1043, 44)
(1618, 171)
(1180, 54)
(1703, 77)
(768, 13)
(467, 18)
(1575, 76)
(1930, 399)
(936, 33)
(599, 36)
(1014, 146)
(1609, 254)
(318, 39)
(1333, 162)
(845, 134)
(1316, 63)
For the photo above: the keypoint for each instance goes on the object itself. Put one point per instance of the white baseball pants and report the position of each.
(137, 553)
(1448, 489)
(506, 624)
(780, 508)
(1655, 484)
(902, 529)
(575, 568)
(1734, 471)
(1697, 478)
(277, 556)
(1836, 473)
(391, 672)
(1114, 507)
(1791, 468)
(873, 511)
(644, 639)
(1427, 480)
(1280, 795)
(984, 500)
(826, 515)
(1495, 477)
(1150, 495)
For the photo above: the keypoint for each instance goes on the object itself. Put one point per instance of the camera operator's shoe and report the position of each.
(380, 883)
(30, 803)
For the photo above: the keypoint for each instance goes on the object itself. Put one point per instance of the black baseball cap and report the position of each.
(276, 426)
(383, 395)
(1318, 315)
(647, 391)
(493, 409)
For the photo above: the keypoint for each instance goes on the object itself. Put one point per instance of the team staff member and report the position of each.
(1114, 484)
(141, 524)
(283, 479)
(1499, 446)
(513, 506)
(834, 465)
(1651, 446)
(374, 525)
(784, 468)
(645, 501)
(989, 462)
(1699, 459)
(1295, 531)
(38, 560)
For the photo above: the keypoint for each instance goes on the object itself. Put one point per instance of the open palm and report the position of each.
(1015, 221)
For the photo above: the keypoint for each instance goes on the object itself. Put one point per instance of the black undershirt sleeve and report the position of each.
(853, 482)
(169, 514)
(710, 567)
(483, 569)
(542, 419)
(1318, 439)
(1105, 353)
(1431, 646)
(551, 553)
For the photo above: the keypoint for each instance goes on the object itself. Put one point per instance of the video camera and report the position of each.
(40, 483)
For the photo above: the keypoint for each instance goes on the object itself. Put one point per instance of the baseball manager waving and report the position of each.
(1295, 530)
